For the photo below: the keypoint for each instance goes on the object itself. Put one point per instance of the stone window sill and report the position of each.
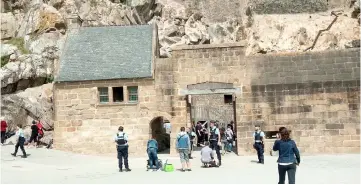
(117, 104)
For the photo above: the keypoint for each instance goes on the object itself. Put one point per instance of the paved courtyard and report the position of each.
(61, 167)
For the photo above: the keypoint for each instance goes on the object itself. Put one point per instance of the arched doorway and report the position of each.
(159, 128)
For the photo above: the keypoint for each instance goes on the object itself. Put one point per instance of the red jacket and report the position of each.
(4, 125)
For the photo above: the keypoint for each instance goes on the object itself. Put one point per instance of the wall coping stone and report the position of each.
(207, 46)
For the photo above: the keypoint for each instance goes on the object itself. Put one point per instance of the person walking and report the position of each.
(258, 143)
(20, 143)
(122, 149)
(34, 134)
(223, 140)
(191, 136)
(199, 134)
(4, 126)
(289, 156)
(183, 147)
(215, 141)
(229, 137)
(40, 132)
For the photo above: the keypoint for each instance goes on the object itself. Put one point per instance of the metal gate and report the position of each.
(212, 107)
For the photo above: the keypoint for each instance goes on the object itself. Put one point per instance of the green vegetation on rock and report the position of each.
(5, 60)
(19, 43)
(49, 79)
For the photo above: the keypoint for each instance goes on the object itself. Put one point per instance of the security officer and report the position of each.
(258, 143)
(215, 141)
(122, 148)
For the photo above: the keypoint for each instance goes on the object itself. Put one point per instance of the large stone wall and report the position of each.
(288, 6)
(316, 95)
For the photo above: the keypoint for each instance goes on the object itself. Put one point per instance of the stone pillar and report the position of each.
(73, 22)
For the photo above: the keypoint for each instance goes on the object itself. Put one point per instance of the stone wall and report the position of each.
(316, 95)
(288, 6)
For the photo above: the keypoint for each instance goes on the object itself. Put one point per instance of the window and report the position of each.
(103, 94)
(272, 134)
(133, 94)
(228, 99)
(118, 95)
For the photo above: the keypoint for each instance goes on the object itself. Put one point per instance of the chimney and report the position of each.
(73, 22)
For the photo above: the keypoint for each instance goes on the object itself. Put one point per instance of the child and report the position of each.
(207, 157)
(152, 148)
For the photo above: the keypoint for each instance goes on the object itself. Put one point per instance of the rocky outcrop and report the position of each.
(24, 106)
(27, 71)
(41, 18)
(8, 25)
(297, 32)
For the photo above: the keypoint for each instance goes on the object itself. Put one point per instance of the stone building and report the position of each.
(111, 76)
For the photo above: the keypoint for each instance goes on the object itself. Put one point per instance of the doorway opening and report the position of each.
(160, 130)
(217, 107)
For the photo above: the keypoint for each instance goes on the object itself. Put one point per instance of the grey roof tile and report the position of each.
(102, 53)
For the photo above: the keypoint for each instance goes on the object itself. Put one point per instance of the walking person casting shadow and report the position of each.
(20, 143)
(288, 158)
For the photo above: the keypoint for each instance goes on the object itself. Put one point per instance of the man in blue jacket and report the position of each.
(184, 146)
(152, 148)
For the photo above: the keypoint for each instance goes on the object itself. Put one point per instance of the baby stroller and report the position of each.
(160, 165)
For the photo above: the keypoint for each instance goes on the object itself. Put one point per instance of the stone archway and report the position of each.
(160, 133)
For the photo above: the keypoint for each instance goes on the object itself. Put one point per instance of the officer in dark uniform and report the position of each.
(258, 143)
(122, 148)
(215, 141)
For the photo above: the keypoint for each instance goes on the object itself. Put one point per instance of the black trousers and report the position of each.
(122, 154)
(214, 146)
(291, 172)
(3, 137)
(20, 144)
(260, 151)
(199, 139)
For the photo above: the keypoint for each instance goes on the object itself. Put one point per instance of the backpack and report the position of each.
(40, 129)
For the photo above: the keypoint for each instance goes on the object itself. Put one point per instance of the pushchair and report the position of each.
(160, 165)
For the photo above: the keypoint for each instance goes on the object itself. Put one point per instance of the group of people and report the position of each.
(289, 156)
(37, 133)
(226, 135)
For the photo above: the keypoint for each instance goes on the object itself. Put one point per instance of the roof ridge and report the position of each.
(134, 25)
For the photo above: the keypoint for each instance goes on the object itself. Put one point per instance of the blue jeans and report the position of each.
(153, 158)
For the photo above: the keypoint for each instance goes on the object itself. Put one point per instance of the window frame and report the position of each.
(133, 94)
(100, 95)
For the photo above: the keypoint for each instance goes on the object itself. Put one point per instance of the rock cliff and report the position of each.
(33, 33)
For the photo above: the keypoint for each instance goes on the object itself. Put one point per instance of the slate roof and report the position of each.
(102, 53)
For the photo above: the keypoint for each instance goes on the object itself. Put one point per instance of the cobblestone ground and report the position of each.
(61, 167)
